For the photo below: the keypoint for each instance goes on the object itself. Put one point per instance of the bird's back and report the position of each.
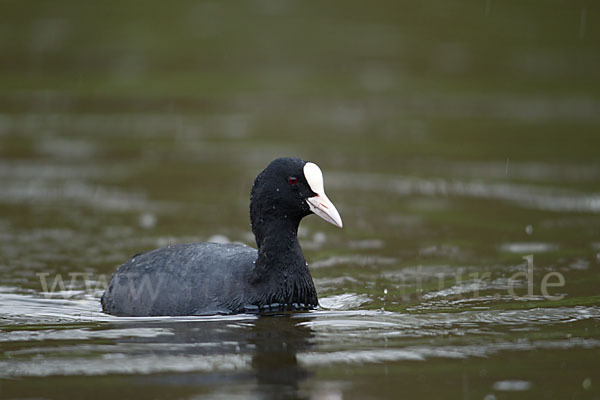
(188, 279)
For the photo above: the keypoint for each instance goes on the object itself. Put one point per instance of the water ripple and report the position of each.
(353, 320)
(524, 195)
(421, 353)
(133, 365)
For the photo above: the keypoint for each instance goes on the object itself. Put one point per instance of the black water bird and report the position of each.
(210, 278)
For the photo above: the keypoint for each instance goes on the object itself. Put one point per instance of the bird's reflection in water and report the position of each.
(270, 344)
(277, 340)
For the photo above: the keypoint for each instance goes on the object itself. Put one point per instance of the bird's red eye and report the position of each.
(293, 180)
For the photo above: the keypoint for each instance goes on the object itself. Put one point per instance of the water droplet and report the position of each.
(529, 229)
(319, 237)
(587, 383)
(222, 239)
(147, 221)
(385, 291)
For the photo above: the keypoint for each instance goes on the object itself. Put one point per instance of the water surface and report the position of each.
(458, 141)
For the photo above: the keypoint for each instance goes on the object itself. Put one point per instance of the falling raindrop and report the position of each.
(488, 7)
(582, 22)
(529, 229)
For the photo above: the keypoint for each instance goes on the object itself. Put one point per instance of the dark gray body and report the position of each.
(187, 279)
(210, 278)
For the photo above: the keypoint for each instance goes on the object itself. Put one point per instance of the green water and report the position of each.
(456, 138)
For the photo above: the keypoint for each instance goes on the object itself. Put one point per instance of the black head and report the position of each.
(290, 189)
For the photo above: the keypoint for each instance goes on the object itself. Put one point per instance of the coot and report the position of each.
(210, 278)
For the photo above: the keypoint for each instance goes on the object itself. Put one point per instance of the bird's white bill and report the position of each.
(320, 204)
(325, 209)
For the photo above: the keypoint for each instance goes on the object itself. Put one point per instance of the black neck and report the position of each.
(281, 264)
(278, 247)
